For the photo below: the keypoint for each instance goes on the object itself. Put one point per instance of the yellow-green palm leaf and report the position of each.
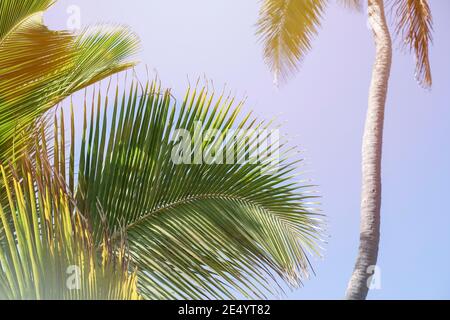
(286, 27)
(12, 12)
(40, 67)
(415, 26)
(47, 251)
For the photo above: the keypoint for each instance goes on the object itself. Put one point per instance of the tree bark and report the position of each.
(358, 286)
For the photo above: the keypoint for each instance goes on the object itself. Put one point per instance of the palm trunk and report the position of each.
(358, 286)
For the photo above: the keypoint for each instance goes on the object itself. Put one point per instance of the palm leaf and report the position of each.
(286, 27)
(194, 231)
(40, 67)
(49, 252)
(415, 27)
(14, 11)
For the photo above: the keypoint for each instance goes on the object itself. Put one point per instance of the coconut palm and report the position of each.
(287, 26)
(126, 208)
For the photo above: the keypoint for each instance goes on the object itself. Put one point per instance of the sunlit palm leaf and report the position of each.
(286, 27)
(415, 26)
(193, 230)
(48, 252)
(12, 12)
(40, 67)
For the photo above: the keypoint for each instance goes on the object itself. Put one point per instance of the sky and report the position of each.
(323, 110)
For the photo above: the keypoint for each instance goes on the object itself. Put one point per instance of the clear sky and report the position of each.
(324, 108)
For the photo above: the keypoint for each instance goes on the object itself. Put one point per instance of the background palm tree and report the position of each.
(287, 26)
(187, 231)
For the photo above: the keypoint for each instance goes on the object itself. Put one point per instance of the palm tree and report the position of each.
(287, 27)
(150, 228)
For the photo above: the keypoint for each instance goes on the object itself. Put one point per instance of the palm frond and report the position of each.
(415, 27)
(14, 11)
(217, 230)
(48, 251)
(286, 27)
(40, 67)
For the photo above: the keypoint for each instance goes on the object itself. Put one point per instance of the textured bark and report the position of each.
(358, 286)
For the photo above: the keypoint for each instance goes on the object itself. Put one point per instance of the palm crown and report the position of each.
(287, 28)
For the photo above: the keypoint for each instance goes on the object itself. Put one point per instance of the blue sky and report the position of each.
(324, 108)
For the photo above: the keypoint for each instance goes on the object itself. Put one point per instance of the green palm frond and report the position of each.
(200, 230)
(415, 27)
(48, 251)
(40, 67)
(286, 27)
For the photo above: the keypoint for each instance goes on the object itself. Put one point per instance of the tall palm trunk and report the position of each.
(358, 286)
